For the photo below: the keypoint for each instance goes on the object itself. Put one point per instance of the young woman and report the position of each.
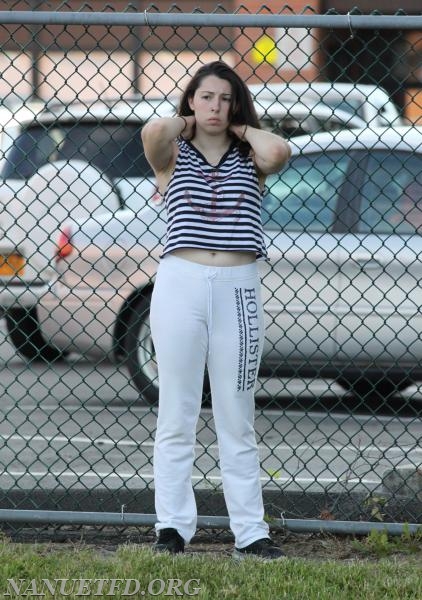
(210, 162)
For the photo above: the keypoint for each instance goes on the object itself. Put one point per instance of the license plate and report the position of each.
(12, 264)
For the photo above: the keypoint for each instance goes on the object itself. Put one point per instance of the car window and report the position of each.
(289, 126)
(303, 196)
(352, 106)
(392, 194)
(114, 148)
(29, 151)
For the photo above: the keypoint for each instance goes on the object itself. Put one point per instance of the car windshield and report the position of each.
(115, 148)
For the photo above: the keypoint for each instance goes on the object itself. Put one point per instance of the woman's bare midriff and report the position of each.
(215, 258)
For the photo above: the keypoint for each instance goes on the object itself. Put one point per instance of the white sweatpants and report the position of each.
(207, 315)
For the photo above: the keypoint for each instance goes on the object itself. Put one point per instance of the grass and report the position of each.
(380, 569)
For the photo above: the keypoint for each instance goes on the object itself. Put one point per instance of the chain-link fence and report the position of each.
(338, 400)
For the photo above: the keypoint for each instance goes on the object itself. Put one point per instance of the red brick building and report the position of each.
(65, 62)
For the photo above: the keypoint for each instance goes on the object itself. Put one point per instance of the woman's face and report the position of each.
(211, 104)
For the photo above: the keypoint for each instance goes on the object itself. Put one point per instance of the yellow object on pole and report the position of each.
(265, 50)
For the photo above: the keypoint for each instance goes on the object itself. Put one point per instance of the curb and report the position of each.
(405, 482)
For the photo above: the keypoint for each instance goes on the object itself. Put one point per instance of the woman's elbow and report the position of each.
(285, 151)
(281, 155)
(152, 130)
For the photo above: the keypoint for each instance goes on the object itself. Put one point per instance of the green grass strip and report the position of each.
(52, 571)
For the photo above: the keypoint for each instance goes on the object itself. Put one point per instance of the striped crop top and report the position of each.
(214, 208)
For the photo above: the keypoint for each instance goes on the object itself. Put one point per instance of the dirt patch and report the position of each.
(312, 546)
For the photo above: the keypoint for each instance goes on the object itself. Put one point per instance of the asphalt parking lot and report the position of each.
(82, 425)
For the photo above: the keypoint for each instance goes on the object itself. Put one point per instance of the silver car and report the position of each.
(343, 223)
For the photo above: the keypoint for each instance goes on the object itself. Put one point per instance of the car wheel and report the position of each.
(139, 351)
(24, 332)
(383, 386)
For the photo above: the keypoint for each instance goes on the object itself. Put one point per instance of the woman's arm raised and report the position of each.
(158, 138)
(271, 151)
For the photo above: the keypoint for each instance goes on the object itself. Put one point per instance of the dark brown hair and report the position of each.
(242, 109)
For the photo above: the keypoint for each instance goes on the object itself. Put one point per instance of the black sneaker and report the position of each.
(263, 549)
(169, 540)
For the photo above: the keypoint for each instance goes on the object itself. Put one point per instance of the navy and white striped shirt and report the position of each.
(214, 208)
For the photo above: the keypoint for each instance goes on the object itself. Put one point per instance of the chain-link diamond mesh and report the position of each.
(81, 230)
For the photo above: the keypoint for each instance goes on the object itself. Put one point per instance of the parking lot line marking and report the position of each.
(274, 449)
(142, 476)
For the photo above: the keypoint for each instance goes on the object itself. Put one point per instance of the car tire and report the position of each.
(384, 386)
(24, 332)
(139, 351)
(140, 354)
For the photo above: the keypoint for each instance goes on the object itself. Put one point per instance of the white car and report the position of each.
(74, 160)
(341, 292)
(60, 162)
(370, 103)
(12, 115)
(291, 119)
